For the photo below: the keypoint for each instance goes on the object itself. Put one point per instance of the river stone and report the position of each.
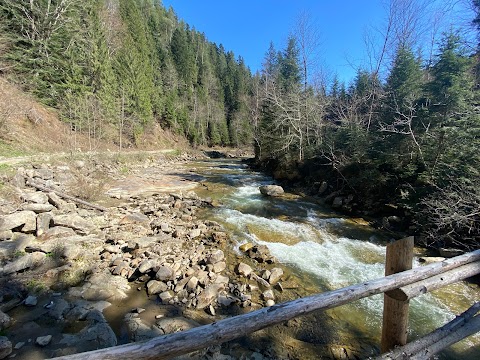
(215, 257)
(43, 340)
(56, 201)
(244, 269)
(146, 265)
(27, 261)
(19, 243)
(275, 275)
(5, 321)
(207, 296)
(57, 232)
(74, 222)
(43, 222)
(38, 208)
(45, 174)
(268, 295)
(5, 347)
(219, 266)
(35, 197)
(194, 233)
(103, 286)
(270, 302)
(172, 325)
(166, 296)
(156, 287)
(271, 190)
(165, 273)
(27, 219)
(245, 247)
(192, 284)
(31, 300)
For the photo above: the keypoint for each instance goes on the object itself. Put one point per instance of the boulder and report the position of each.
(25, 219)
(36, 197)
(56, 201)
(43, 222)
(5, 321)
(135, 218)
(146, 266)
(74, 222)
(207, 296)
(215, 257)
(5, 347)
(165, 273)
(261, 254)
(6, 235)
(27, 261)
(166, 296)
(43, 340)
(31, 301)
(244, 269)
(38, 208)
(271, 190)
(172, 325)
(245, 247)
(275, 275)
(57, 232)
(156, 287)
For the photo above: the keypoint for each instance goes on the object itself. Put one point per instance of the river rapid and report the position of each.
(327, 251)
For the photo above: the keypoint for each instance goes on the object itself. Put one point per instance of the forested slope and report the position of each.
(126, 64)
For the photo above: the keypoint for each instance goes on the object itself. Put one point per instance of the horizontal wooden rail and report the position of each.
(435, 282)
(169, 346)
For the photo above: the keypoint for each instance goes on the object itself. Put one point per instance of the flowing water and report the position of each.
(326, 249)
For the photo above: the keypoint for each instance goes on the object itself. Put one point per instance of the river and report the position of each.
(327, 251)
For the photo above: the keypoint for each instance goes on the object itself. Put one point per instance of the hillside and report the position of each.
(125, 65)
(28, 127)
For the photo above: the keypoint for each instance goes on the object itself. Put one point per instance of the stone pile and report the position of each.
(86, 259)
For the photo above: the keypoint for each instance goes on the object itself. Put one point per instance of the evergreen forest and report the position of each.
(401, 144)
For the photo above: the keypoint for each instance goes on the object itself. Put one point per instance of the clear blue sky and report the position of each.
(247, 27)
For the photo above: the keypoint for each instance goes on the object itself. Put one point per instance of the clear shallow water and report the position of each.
(331, 250)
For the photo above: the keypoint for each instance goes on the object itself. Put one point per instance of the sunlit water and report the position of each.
(330, 249)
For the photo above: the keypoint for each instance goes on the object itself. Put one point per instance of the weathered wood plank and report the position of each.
(399, 258)
(168, 346)
(436, 282)
(439, 339)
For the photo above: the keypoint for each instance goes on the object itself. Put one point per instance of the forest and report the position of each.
(400, 140)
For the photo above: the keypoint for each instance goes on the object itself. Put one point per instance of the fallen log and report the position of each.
(31, 183)
(458, 329)
(169, 346)
(416, 289)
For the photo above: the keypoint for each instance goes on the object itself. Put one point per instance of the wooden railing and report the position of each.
(403, 286)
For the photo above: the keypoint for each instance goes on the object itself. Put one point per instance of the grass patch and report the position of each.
(7, 150)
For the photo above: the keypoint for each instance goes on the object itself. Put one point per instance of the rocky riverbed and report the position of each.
(69, 271)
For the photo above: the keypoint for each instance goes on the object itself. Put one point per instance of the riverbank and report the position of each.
(125, 258)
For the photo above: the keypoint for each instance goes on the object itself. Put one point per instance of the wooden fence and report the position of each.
(400, 286)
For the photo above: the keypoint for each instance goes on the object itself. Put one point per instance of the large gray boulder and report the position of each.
(25, 219)
(271, 190)
(27, 261)
(74, 222)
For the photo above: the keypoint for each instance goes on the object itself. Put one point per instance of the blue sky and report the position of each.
(248, 26)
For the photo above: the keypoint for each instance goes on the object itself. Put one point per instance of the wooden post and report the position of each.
(395, 312)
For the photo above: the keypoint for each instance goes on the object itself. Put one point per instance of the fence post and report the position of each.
(395, 312)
